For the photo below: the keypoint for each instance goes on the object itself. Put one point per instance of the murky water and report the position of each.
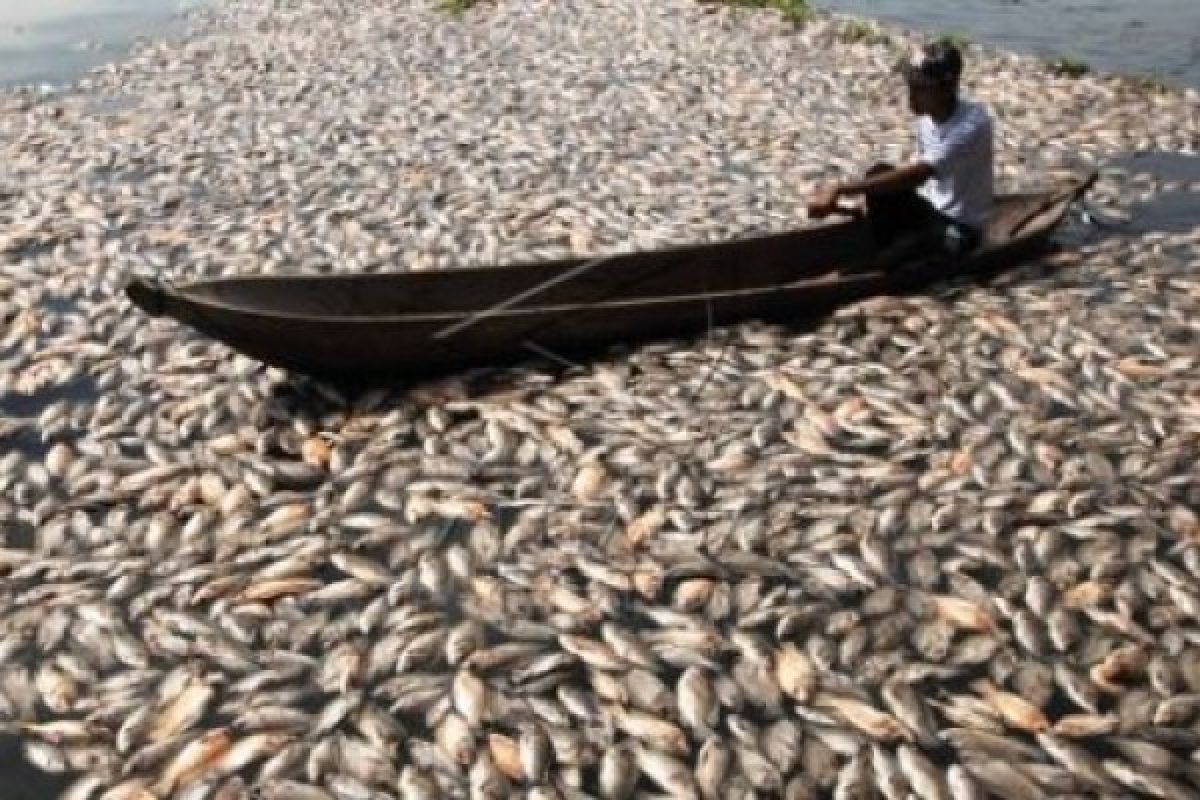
(23, 781)
(1159, 37)
(56, 41)
(1173, 210)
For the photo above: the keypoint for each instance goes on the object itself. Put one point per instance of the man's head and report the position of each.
(932, 76)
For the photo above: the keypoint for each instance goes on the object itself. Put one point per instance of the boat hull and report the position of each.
(561, 310)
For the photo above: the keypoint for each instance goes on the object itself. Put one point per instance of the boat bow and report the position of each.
(148, 294)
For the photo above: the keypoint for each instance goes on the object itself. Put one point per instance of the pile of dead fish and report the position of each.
(935, 547)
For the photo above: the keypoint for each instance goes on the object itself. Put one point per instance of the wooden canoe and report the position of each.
(403, 323)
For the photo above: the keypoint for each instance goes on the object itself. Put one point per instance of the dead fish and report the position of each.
(195, 758)
(184, 710)
(291, 790)
(1004, 780)
(1120, 664)
(667, 772)
(924, 778)
(889, 778)
(795, 672)
(1147, 782)
(871, 721)
(961, 785)
(1013, 709)
(658, 732)
(618, 773)
(456, 740)
(506, 757)
(907, 706)
(470, 695)
(1077, 760)
(1085, 725)
(697, 700)
(712, 766)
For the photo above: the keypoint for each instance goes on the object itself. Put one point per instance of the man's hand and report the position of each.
(824, 201)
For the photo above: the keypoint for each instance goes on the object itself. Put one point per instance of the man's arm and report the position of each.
(900, 179)
(825, 201)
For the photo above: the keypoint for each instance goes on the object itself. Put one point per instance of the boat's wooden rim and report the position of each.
(518, 312)
(153, 293)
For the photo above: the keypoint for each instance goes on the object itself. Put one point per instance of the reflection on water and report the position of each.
(52, 41)
(1150, 36)
(1175, 209)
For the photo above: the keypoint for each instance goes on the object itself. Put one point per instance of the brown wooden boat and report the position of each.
(400, 323)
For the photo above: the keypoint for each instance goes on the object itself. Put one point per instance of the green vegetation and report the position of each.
(1069, 66)
(458, 6)
(858, 30)
(1154, 82)
(798, 11)
(956, 38)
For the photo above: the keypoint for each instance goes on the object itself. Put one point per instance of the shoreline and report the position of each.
(49, 52)
(855, 29)
(769, 559)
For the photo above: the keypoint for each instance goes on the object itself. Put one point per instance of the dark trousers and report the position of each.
(908, 226)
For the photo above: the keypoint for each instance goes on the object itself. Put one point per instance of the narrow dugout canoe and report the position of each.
(404, 323)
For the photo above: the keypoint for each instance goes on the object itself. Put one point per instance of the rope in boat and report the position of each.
(467, 322)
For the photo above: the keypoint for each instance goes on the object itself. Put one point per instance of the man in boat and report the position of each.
(938, 205)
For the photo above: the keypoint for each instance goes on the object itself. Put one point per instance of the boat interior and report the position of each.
(754, 262)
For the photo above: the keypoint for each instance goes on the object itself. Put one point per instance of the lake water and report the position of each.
(55, 41)
(1147, 36)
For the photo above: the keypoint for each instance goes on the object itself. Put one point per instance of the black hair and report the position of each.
(940, 64)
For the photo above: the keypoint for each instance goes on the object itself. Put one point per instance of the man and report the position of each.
(939, 204)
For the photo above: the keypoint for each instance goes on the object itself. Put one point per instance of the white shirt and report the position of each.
(960, 152)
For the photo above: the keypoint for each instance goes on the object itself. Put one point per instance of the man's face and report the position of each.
(926, 100)
(919, 98)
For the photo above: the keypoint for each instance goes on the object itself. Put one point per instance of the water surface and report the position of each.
(1159, 37)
